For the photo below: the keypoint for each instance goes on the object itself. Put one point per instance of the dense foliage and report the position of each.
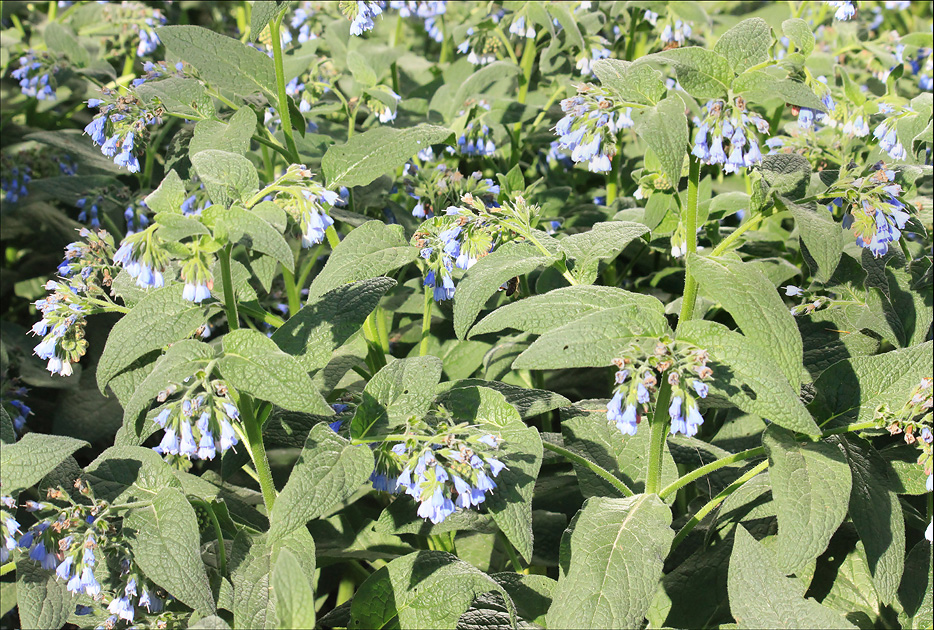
(466, 314)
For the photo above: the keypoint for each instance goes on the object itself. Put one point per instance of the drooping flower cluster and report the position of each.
(440, 187)
(476, 140)
(519, 28)
(159, 70)
(148, 40)
(18, 169)
(136, 217)
(12, 394)
(143, 256)
(637, 381)
(845, 9)
(914, 421)
(920, 65)
(585, 61)
(305, 201)
(9, 528)
(85, 272)
(36, 74)
(442, 468)
(886, 131)
(806, 115)
(427, 10)
(361, 14)
(590, 126)
(198, 418)
(734, 125)
(120, 125)
(383, 102)
(676, 34)
(481, 46)
(873, 209)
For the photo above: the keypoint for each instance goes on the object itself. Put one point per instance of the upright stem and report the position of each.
(426, 323)
(690, 243)
(254, 433)
(381, 328)
(527, 64)
(230, 302)
(594, 468)
(291, 291)
(284, 114)
(659, 426)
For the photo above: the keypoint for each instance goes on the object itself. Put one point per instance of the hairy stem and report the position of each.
(659, 426)
(690, 243)
(595, 468)
(284, 114)
(230, 302)
(674, 486)
(254, 435)
(426, 323)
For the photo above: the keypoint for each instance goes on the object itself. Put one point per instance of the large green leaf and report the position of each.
(376, 152)
(295, 599)
(488, 275)
(371, 250)
(762, 597)
(222, 61)
(664, 128)
(593, 340)
(748, 295)
(240, 225)
(604, 241)
(124, 474)
(254, 363)
(42, 600)
(328, 471)
(232, 136)
(629, 82)
(811, 485)
(528, 402)
(26, 462)
(822, 236)
(425, 589)
(611, 563)
(746, 378)
(166, 546)
(702, 73)
(746, 44)
(227, 176)
(162, 318)
(401, 389)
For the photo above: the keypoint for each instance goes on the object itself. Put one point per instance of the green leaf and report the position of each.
(360, 68)
(425, 589)
(41, 599)
(593, 340)
(7, 434)
(747, 378)
(244, 226)
(222, 61)
(253, 363)
(664, 128)
(762, 597)
(528, 402)
(811, 485)
(295, 601)
(478, 82)
(401, 389)
(313, 333)
(176, 227)
(800, 34)
(160, 319)
(702, 73)
(748, 295)
(757, 86)
(371, 250)
(226, 176)
(539, 314)
(61, 39)
(327, 472)
(256, 598)
(746, 44)
(915, 593)
(521, 451)
(180, 361)
(124, 474)
(630, 82)
(263, 12)
(588, 433)
(167, 546)
(532, 594)
(485, 278)
(232, 136)
(822, 236)
(184, 97)
(26, 462)
(168, 197)
(372, 153)
(853, 390)
(877, 514)
(611, 563)
(602, 242)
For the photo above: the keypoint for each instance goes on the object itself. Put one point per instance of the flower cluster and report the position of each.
(143, 257)
(885, 132)
(443, 469)
(637, 382)
(148, 40)
(159, 70)
(36, 75)
(735, 125)
(520, 29)
(846, 10)
(806, 115)
(120, 125)
(84, 272)
(476, 140)
(361, 14)
(440, 187)
(585, 62)
(385, 108)
(305, 201)
(481, 46)
(589, 126)
(19, 411)
(18, 169)
(873, 209)
(676, 34)
(135, 216)
(198, 418)
(426, 10)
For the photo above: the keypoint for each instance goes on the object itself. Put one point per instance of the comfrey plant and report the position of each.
(406, 307)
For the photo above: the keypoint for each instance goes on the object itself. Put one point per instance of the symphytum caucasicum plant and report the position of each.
(466, 314)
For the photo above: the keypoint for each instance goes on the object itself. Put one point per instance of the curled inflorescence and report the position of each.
(590, 125)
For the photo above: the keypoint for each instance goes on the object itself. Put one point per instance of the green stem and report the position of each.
(735, 234)
(714, 502)
(284, 114)
(257, 313)
(53, 10)
(595, 468)
(502, 37)
(254, 434)
(634, 17)
(447, 45)
(221, 550)
(527, 64)
(333, 239)
(612, 185)
(381, 328)
(426, 323)
(690, 243)
(551, 101)
(659, 426)
(230, 302)
(511, 552)
(291, 291)
(849, 428)
(564, 269)
(130, 506)
(709, 468)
